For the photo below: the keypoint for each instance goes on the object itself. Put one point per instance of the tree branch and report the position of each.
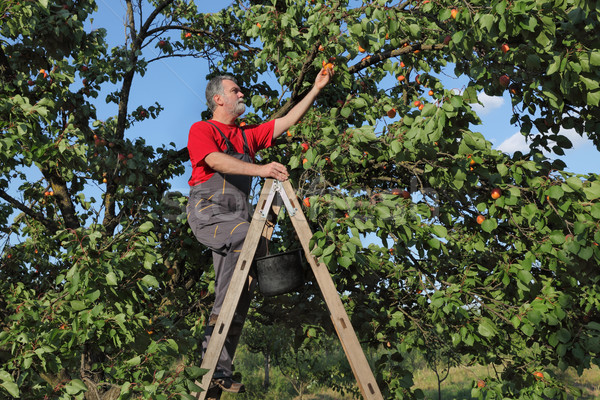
(50, 225)
(110, 220)
(63, 199)
(144, 29)
(376, 58)
(201, 32)
(364, 63)
(131, 22)
(5, 70)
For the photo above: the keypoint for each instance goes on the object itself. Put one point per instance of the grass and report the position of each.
(325, 395)
(460, 380)
(457, 385)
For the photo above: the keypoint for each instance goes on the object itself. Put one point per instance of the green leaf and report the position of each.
(595, 58)
(383, 211)
(527, 329)
(487, 21)
(444, 14)
(146, 226)
(534, 316)
(329, 250)
(586, 252)
(502, 169)
(340, 203)
(459, 179)
(356, 29)
(150, 281)
(111, 279)
(525, 276)
(457, 37)
(564, 335)
(556, 192)
(358, 103)
(257, 101)
(470, 95)
(543, 40)
(554, 66)
(593, 97)
(486, 327)
(75, 386)
(78, 305)
(590, 83)
(133, 361)
(574, 183)
(344, 261)
(195, 372)
(595, 211)
(515, 320)
(489, 224)
(414, 29)
(593, 325)
(557, 237)
(474, 140)
(440, 231)
(93, 296)
(592, 192)
(11, 388)
(62, 146)
(149, 259)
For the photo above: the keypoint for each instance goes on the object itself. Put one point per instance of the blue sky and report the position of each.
(178, 85)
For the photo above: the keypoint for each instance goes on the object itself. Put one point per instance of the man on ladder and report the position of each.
(222, 155)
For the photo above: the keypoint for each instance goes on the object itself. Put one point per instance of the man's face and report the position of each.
(232, 98)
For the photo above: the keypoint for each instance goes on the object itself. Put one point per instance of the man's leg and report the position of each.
(224, 265)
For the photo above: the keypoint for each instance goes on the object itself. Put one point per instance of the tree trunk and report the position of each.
(267, 380)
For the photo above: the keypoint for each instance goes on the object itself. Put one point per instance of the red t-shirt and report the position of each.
(204, 139)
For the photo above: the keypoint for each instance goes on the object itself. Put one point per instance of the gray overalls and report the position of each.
(219, 215)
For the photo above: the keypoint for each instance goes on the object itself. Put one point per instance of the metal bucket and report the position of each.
(280, 273)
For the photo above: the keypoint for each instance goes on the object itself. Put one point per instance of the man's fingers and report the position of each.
(279, 171)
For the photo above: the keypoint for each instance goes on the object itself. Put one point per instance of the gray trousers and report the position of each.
(224, 232)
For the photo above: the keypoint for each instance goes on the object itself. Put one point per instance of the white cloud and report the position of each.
(517, 142)
(577, 140)
(514, 143)
(490, 103)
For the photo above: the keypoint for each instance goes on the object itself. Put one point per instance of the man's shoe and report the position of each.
(229, 385)
(213, 393)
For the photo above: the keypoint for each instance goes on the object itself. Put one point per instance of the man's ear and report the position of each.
(218, 99)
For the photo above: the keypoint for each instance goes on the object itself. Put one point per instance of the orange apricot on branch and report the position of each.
(326, 67)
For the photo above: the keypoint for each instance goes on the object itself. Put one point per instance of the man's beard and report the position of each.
(240, 108)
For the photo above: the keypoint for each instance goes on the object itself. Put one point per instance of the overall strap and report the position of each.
(246, 147)
(230, 148)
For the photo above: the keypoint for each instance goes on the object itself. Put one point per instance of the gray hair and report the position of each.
(214, 87)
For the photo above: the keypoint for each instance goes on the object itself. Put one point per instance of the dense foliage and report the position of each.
(105, 291)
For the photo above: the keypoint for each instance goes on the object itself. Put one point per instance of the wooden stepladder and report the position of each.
(259, 227)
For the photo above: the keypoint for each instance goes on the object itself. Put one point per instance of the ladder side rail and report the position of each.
(354, 353)
(234, 291)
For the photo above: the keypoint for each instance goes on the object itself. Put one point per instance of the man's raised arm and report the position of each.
(284, 123)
